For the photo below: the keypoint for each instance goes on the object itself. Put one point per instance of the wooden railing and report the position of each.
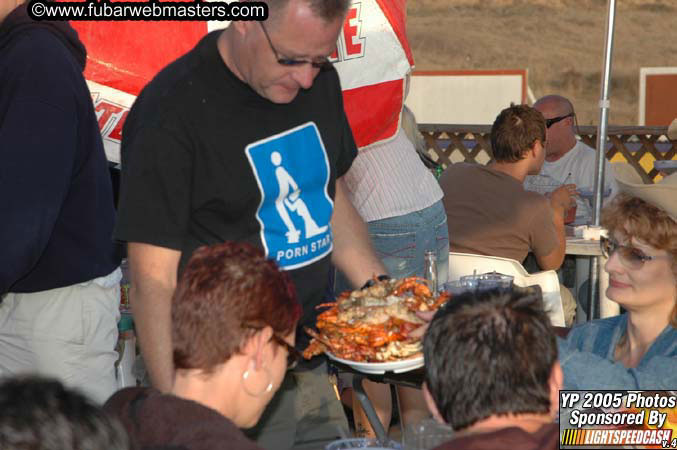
(638, 146)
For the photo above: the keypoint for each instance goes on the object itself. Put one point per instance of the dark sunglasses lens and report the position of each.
(295, 63)
(634, 257)
(551, 122)
(554, 120)
(631, 257)
(293, 358)
(293, 355)
(606, 245)
(290, 62)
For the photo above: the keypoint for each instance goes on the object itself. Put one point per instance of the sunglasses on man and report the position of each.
(322, 63)
(554, 120)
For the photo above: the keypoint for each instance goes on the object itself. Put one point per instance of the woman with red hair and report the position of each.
(234, 317)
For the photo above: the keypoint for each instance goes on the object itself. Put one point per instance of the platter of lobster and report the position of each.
(371, 329)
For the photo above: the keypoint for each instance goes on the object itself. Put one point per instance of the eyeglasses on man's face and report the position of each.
(293, 355)
(323, 63)
(631, 257)
(554, 120)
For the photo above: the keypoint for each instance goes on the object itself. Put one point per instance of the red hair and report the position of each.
(225, 293)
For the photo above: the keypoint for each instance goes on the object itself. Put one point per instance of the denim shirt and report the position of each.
(587, 358)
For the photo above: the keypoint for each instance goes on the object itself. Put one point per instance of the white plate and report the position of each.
(404, 365)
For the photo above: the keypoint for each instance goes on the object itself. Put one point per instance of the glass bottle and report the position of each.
(430, 270)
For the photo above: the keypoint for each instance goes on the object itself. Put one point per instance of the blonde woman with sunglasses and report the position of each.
(637, 349)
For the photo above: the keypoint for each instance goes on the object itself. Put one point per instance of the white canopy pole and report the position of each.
(601, 148)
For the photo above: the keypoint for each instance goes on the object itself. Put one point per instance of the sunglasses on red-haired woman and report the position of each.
(293, 355)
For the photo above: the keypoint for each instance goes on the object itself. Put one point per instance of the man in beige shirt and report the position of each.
(488, 210)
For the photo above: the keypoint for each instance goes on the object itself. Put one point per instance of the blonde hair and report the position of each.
(633, 217)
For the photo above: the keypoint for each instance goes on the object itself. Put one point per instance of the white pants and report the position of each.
(68, 333)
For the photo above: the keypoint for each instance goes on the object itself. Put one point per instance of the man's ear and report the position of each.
(533, 148)
(555, 383)
(430, 403)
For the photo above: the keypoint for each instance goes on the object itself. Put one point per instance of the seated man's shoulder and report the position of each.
(535, 203)
(583, 146)
(455, 175)
(546, 437)
(584, 154)
(460, 168)
(537, 198)
(472, 174)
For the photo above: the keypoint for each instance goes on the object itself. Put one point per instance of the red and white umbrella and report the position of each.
(372, 58)
(373, 63)
(121, 58)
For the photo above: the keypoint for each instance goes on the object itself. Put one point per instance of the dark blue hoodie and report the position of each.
(56, 200)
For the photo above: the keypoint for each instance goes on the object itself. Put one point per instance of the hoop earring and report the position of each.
(245, 377)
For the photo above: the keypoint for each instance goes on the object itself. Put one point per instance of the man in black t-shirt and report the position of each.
(245, 138)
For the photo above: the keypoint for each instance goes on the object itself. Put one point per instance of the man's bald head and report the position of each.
(554, 103)
(327, 10)
(559, 117)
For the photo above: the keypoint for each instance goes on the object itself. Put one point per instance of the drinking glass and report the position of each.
(368, 443)
(490, 280)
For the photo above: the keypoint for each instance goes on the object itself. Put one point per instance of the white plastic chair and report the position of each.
(461, 264)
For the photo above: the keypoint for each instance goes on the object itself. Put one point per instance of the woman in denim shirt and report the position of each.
(638, 349)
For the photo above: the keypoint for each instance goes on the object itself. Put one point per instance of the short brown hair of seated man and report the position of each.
(233, 320)
(491, 371)
(488, 210)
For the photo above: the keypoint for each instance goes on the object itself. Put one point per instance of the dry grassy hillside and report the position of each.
(560, 42)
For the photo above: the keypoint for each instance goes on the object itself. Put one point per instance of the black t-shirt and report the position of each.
(205, 159)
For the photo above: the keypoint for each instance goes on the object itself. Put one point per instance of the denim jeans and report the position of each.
(401, 242)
